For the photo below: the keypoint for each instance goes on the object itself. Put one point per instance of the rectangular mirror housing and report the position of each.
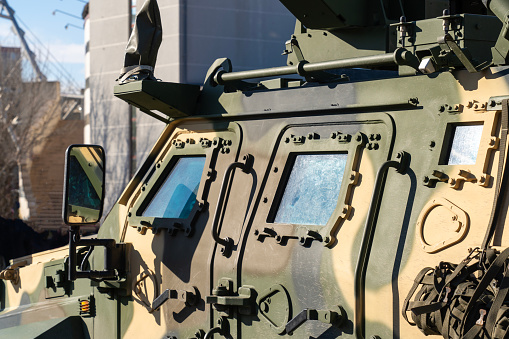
(84, 185)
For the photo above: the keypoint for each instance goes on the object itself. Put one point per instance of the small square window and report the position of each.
(465, 144)
(312, 190)
(177, 195)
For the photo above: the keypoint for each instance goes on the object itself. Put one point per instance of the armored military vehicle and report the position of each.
(360, 191)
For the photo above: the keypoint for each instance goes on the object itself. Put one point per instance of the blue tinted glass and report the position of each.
(312, 191)
(465, 145)
(177, 195)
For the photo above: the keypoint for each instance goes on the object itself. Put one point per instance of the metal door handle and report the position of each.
(246, 167)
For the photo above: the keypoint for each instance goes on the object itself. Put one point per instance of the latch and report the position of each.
(190, 298)
(12, 272)
(334, 317)
(224, 299)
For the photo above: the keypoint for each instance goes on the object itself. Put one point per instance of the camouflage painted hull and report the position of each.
(275, 270)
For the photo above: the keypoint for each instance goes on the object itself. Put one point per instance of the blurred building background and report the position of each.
(38, 120)
(195, 33)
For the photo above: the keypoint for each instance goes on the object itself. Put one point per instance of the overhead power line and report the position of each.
(53, 67)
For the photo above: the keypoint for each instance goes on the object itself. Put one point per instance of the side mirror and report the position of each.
(83, 185)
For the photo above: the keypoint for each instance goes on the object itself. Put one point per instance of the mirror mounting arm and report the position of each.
(113, 254)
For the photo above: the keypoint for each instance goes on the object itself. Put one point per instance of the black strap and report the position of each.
(497, 202)
(490, 274)
(497, 303)
(417, 282)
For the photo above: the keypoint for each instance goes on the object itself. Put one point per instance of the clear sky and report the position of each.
(36, 18)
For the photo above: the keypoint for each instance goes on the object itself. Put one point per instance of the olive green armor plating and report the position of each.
(359, 191)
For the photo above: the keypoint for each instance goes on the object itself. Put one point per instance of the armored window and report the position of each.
(465, 144)
(177, 195)
(311, 192)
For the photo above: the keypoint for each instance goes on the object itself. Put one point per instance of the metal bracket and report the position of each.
(292, 46)
(336, 318)
(223, 299)
(448, 40)
(186, 226)
(114, 257)
(190, 298)
(359, 142)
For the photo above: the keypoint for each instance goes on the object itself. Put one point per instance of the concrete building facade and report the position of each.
(195, 33)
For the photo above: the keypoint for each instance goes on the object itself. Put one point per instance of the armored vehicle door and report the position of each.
(290, 226)
(170, 213)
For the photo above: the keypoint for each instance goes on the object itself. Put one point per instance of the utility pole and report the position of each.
(9, 14)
